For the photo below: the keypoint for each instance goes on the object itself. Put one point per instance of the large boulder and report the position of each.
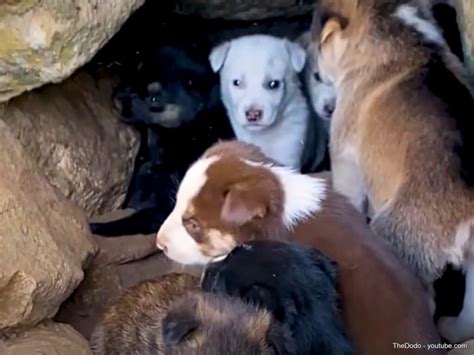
(73, 132)
(44, 240)
(43, 41)
(50, 339)
(244, 9)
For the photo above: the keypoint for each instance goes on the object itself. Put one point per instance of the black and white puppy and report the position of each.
(173, 100)
(295, 283)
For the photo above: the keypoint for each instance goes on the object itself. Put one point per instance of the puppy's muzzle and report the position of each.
(254, 115)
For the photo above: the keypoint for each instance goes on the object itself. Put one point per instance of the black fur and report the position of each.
(169, 79)
(446, 17)
(295, 283)
(449, 293)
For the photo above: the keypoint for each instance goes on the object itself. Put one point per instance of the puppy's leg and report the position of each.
(347, 180)
(461, 328)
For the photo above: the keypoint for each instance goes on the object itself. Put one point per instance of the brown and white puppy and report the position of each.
(234, 194)
(171, 316)
(402, 134)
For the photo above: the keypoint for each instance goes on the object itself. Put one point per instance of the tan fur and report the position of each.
(224, 325)
(137, 316)
(382, 302)
(388, 147)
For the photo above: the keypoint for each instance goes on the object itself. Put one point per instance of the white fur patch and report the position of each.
(303, 194)
(409, 15)
(178, 244)
(459, 249)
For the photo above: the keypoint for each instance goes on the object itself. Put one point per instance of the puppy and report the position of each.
(322, 95)
(206, 323)
(174, 101)
(295, 283)
(262, 94)
(235, 194)
(171, 317)
(133, 324)
(402, 134)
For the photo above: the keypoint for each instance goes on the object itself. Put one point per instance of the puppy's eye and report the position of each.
(154, 99)
(237, 83)
(192, 226)
(190, 83)
(274, 84)
(317, 77)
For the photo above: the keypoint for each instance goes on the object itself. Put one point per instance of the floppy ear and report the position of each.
(330, 27)
(297, 55)
(177, 325)
(218, 56)
(240, 207)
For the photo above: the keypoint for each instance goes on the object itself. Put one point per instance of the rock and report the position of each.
(244, 9)
(44, 41)
(73, 132)
(50, 338)
(122, 263)
(44, 240)
(465, 9)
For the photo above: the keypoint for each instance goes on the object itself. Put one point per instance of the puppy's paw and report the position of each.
(456, 329)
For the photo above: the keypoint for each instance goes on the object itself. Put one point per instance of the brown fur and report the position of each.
(382, 302)
(133, 324)
(401, 138)
(210, 324)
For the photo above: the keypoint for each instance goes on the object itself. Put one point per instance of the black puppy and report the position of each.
(173, 100)
(295, 283)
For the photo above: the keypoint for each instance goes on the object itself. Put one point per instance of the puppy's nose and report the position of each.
(329, 109)
(254, 115)
(160, 246)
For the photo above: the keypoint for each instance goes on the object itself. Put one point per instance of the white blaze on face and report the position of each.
(172, 236)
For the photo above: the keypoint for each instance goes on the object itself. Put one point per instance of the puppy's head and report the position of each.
(171, 88)
(203, 323)
(274, 275)
(257, 74)
(322, 94)
(232, 195)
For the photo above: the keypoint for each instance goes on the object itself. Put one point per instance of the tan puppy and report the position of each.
(402, 134)
(234, 194)
(171, 316)
(138, 315)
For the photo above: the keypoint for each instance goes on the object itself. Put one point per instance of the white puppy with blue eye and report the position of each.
(261, 91)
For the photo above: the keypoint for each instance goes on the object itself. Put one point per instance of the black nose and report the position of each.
(253, 115)
(329, 109)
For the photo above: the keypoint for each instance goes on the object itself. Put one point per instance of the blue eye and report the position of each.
(274, 84)
(237, 83)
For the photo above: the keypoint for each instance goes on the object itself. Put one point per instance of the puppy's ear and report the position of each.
(218, 56)
(241, 206)
(178, 324)
(297, 55)
(331, 27)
